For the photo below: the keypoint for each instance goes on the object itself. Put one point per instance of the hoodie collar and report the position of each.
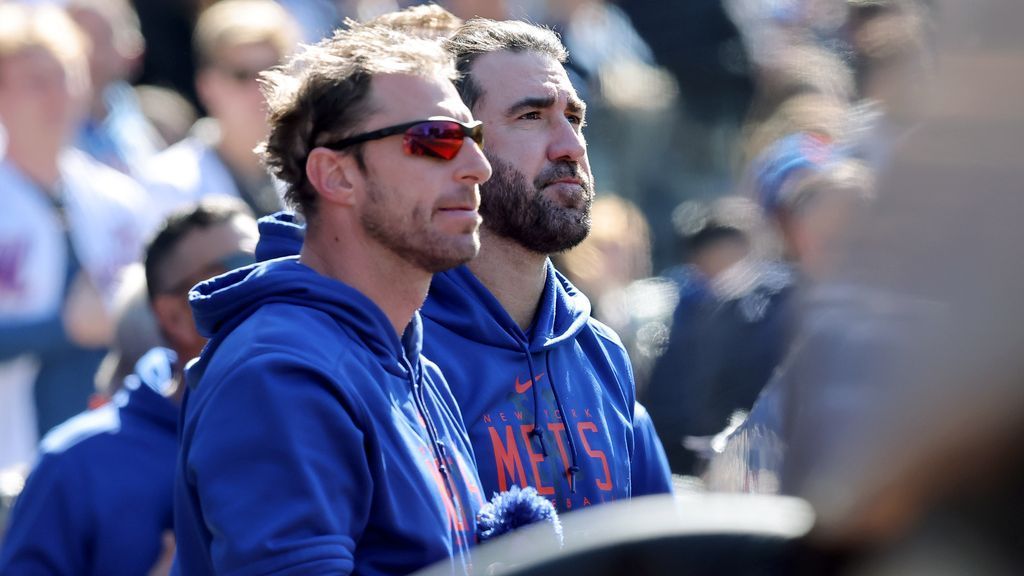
(145, 390)
(460, 302)
(220, 304)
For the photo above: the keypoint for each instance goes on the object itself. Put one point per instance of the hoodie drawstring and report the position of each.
(438, 449)
(538, 429)
(574, 467)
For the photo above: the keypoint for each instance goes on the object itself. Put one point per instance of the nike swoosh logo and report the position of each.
(522, 387)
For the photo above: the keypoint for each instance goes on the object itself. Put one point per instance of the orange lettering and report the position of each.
(487, 418)
(525, 429)
(605, 484)
(507, 460)
(558, 428)
(585, 501)
(519, 416)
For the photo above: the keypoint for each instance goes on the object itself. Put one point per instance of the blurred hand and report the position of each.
(166, 559)
(87, 321)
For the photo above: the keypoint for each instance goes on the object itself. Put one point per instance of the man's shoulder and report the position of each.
(606, 336)
(286, 336)
(90, 440)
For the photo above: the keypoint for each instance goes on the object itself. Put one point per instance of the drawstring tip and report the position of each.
(572, 478)
(540, 440)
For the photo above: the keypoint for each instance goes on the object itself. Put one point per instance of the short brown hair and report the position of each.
(426, 21)
(322, 94)
(481, 36)
(234, 22)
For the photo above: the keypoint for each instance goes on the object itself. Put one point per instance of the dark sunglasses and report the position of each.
(436, 137)
(241, 75)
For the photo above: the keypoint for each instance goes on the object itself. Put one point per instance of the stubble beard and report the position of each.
(410, 236)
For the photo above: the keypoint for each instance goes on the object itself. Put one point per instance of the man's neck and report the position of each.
(397, 287)
(513, 274)
(40, 167)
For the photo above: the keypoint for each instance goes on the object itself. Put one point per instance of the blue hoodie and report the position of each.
(99, 500)
(550, 408)
(314, 439)
(458, 315)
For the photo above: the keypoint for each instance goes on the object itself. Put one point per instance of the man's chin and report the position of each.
(566, 196)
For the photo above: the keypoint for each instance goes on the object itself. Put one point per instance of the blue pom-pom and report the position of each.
(513, 509)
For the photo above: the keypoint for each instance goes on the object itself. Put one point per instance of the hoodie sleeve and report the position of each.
(279, 465)
(649, 468)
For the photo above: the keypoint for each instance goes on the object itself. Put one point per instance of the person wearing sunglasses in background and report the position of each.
(235, 40)
(315, 437)
(99, 500)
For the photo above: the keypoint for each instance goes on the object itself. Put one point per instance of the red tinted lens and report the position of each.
(436, 138)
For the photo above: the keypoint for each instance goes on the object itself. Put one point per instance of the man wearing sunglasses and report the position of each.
(315, 438)
(546, 391)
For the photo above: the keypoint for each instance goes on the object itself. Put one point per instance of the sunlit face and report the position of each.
(542, 189)
(423, 209)
(230, 91)
(37, 101)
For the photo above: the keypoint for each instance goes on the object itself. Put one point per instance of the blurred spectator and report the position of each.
(701, 46)
(136, 333)
(169, 60)
(316, 19)
(235, 41)
(68, 227)
(813, 193)
(729, 330)
(891, 67)
(99, 500)
(170, 114)
(114, 131)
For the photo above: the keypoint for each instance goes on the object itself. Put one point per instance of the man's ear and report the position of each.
(335, 176)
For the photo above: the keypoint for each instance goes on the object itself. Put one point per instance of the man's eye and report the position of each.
(575, 119)
(535, 115)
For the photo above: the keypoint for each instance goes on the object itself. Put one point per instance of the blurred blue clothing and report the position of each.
(723, 349)
(99, 500)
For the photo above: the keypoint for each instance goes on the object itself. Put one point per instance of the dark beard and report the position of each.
(513, 209)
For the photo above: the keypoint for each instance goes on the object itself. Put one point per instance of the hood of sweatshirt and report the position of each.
(281, 234)
(222, 303)
(461, 302)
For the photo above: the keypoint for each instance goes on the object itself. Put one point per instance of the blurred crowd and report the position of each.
(737, 146)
